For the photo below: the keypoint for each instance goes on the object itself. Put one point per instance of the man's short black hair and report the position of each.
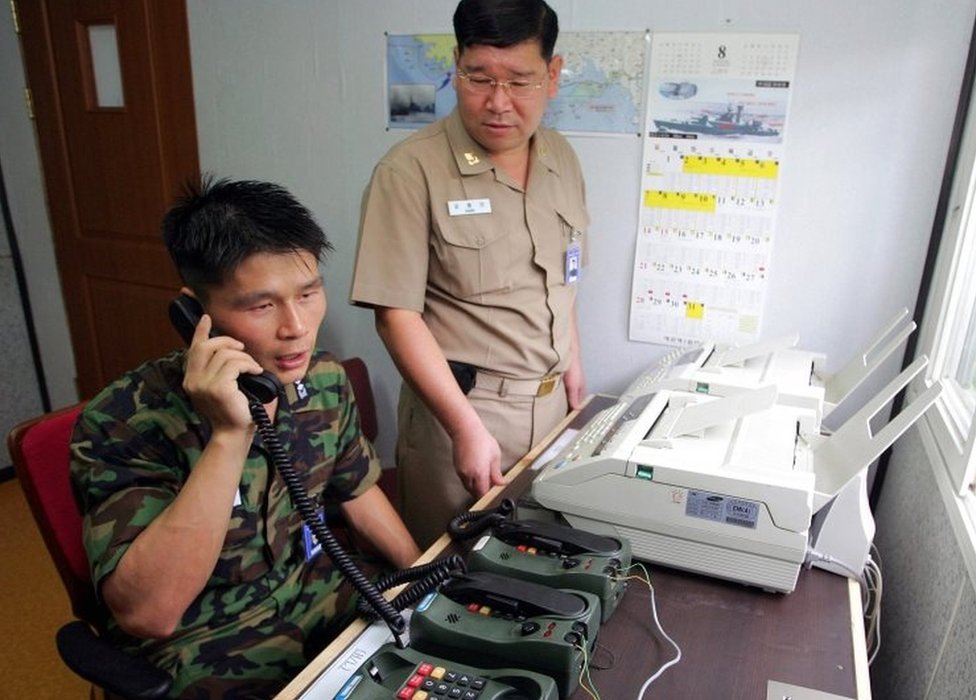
(216, 224)
(505, 23)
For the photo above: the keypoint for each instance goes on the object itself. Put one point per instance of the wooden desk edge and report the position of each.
(862, 677)
(304, 680)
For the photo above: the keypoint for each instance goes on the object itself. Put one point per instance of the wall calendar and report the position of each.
(717, 110)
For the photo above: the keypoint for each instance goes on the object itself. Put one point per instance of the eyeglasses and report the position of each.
(483, 85)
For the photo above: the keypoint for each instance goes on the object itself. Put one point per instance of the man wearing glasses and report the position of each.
(472, 237)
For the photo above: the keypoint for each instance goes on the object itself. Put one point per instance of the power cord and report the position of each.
(872, 607)
(646, 580)
(870, 580)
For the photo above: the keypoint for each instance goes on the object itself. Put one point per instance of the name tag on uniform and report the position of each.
(574, 255)
(464, 207)
(310, 542)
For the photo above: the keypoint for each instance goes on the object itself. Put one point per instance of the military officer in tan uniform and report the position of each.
(472, 238)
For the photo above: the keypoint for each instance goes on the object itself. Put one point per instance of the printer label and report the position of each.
(722, 509)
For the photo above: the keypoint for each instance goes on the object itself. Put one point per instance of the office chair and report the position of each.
(39, 450)
(362, 389)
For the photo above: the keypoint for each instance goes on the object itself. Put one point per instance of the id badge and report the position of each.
(311, 543)
(574, 254)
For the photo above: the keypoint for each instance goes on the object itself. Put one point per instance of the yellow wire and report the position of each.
(585, 679)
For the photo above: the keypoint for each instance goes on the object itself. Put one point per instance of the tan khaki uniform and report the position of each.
(447, 235)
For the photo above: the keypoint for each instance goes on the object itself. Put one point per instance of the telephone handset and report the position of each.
(185, 313)
(512, 597)
(492, 621)
(548, 553)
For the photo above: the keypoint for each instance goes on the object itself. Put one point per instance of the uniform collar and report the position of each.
(472, 159)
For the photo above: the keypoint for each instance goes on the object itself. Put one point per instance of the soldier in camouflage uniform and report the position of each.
(194, 543)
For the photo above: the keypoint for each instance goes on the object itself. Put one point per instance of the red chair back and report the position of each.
(39, 450)
(362, 389)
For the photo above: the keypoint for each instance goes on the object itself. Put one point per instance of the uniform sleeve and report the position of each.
(394, 231)
(123, 476)
(357, 467)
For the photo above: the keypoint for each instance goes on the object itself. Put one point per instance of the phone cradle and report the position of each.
(408, 673)
(494, 622)
(556, 556)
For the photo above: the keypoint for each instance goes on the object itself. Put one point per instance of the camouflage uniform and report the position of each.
(265, 610)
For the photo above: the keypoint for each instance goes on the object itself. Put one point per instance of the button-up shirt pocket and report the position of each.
(470, 254)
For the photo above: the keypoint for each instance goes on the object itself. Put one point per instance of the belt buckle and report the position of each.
(547, 384)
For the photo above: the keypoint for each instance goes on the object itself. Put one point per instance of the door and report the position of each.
(113, 106)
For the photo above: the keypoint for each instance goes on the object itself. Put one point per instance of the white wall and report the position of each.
(28, 212)
(294, 92)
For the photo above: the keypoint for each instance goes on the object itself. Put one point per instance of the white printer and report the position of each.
(715, 461)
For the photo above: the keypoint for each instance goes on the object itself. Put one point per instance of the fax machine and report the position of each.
(715, 461)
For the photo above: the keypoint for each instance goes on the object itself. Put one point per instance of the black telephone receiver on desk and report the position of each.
(494, 622)
(547, 553)
(185, 313)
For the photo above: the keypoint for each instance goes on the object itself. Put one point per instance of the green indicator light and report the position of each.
(701, 388)
(645, 473)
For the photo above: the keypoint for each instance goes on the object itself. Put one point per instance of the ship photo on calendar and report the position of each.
(724, 109)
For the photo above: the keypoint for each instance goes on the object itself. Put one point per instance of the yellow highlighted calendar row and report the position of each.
(731, 166)
(693, 201)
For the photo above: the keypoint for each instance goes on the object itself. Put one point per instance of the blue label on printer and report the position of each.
(722, 509)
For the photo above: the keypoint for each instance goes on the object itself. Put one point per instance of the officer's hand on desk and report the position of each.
(477, 459)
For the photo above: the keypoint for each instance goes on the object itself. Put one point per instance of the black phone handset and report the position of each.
(185, 313)
(495, 621)
(548, 553)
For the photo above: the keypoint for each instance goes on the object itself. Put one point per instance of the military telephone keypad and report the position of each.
(489, 620)
(407, 674)
(428, 680)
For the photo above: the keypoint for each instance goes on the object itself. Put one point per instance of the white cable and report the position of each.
(660, 628)
(870, 580)
(818, 556)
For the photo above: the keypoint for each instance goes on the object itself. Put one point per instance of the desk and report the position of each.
(734, 639)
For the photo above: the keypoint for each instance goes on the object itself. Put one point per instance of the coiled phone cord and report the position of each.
(306, 508)
(427, 577)
(472, 523)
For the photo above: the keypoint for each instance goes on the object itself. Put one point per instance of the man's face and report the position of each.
(274, 303)
(500, 123)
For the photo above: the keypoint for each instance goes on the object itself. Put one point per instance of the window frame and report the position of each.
(948, 429)
(944, 324)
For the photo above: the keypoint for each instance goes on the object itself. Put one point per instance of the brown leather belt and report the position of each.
(522, 387)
